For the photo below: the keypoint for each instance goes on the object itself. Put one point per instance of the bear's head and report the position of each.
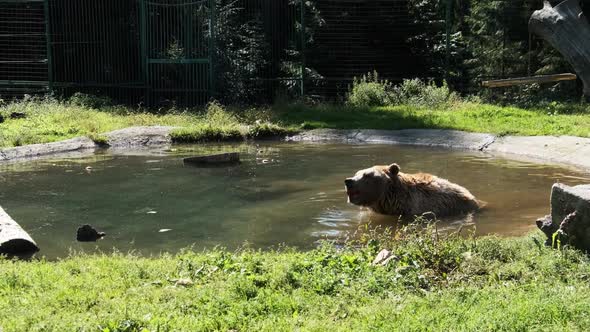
(367, 186)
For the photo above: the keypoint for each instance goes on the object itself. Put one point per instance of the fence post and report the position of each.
(48, 45)
(448, 23)
(212, 25)
(303, 40)
(144, 55)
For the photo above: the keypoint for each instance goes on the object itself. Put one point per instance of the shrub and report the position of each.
(266, 129)
(90, 101)
(418, 93)
(369, 90)
(217, 115)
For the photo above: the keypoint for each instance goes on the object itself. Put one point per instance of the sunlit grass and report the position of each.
(50, 120)
(466, 116)
(437, 283)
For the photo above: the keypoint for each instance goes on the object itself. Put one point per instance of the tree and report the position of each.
(565, 27)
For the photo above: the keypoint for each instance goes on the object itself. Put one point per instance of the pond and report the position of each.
(281, 193)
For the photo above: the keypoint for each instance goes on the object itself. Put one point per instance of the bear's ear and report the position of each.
(393, 169)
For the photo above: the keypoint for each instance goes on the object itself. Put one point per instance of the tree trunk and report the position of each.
(565, 27)
(14, 241)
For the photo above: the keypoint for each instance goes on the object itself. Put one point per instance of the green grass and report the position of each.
(466, 116)
(448, 284)
(451, 284)
(49, 121)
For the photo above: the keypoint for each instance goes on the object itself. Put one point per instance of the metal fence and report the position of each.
(150, 51)
(23, 47)
(250, 51)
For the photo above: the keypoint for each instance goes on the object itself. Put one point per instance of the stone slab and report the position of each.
(564, 201)
(139, 136)
(554, 149)
(40, 150)
(426, 137)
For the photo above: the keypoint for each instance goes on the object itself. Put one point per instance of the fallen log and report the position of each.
(14, 241)
(565, 27)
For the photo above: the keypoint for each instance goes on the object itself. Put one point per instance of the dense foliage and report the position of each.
(256, 43)
(369, 90)
(488, 40)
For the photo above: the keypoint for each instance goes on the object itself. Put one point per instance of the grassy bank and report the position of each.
(48, 121)
(466, 116)
(437, 284)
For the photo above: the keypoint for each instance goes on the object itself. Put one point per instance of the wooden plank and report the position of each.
(529, 80)
(13, 239)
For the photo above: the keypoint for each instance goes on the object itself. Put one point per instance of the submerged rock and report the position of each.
(87, 233)
(570, 216)
(223, 159)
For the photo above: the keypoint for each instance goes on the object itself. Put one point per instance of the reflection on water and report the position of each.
(281, 193)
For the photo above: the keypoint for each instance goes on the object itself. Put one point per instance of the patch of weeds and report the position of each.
(127, 325)
(205, 133)
(269, 130)
(90, 101)
(310, 125)
(369, 90)
(419, 93)
(99, 139)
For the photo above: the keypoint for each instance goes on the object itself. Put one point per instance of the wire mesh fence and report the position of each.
(251, 51)
(23, 47)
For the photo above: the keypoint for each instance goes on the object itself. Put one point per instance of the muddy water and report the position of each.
(282, 193)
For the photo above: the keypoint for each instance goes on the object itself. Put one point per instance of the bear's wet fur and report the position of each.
(386, 190)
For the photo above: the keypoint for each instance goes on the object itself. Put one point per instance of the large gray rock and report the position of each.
(570, 215)
(41, 150)
(14, 241)
(139, 137)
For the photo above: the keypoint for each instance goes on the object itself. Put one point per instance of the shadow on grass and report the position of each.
(344, 117)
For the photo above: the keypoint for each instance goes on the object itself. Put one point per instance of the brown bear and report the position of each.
(386, 190)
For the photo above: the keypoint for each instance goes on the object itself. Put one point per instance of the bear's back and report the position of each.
(429, 193)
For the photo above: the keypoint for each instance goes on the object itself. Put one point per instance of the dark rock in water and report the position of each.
(570, 216)
(87, 233)
(223, 159)
(17, 115)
